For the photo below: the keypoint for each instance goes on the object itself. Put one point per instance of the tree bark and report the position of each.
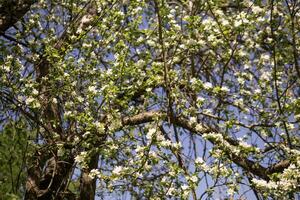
(51, 182)
(87, 184)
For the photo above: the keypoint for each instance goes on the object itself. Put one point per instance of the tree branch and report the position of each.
(247, 164)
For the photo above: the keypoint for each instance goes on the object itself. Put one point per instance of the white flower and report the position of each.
(85, 45)
(151, 43)
(193, 120)
(173, 11)
(68, 113)
(86, 18)
(100, 127)
(244, 144)
(6, 68)
(153, 154)
(261, 183)
(171, 191)
(177, 145)
(117, 170)
(201, 42)
(139, 149)
(76, 139)
(225, 89)
(35, 92)
(93, 173)
(207, 111)
(160, 137)
(186, 18)
(166, 143)
(80, 99)
(29, 100)
(199, 161)
(35, 104)
(193, 80)
(108, 72)
(200, 99)
(9, 57)
(225, 22)
(140, 39)
(265, 57)
(194, 179)
(80, 159)
(273, 185)
(177, 27)
(140, 63)
(239, 101)
(207, 22)
(238, 23)
(92, 89)
(290, 126)
(137, 9)
(230, 191)
(246, 66)
(265, 76)
(199, 128)
(191, 42)
(241, 80)
(54, 100)
(211, 38)
(150, 133)
(257, 91)
(164, 180)
(181, 46)
(86, 134)
(207, 85)
(170, 15)
(60, 151)
(184, 187)
(256, 9)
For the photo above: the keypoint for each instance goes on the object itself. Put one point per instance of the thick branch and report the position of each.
(248, 165)
(243, 162)
(142, 118)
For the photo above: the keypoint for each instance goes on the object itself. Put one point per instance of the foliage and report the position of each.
(15, 148)
(157, 99)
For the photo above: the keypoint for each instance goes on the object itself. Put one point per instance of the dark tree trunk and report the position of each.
(87, 184)
(50, 183)
(12, 11)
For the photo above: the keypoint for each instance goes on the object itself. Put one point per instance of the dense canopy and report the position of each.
(150, 99)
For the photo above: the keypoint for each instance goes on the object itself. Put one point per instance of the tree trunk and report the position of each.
(87, 184)
(50, 183)
(12, 11)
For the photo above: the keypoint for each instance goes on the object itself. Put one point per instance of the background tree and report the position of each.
(154, 99)
(15, 148)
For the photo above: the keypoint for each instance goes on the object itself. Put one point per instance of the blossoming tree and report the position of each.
(156, 99)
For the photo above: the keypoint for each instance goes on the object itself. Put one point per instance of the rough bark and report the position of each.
(87, 184)
(49, 183)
